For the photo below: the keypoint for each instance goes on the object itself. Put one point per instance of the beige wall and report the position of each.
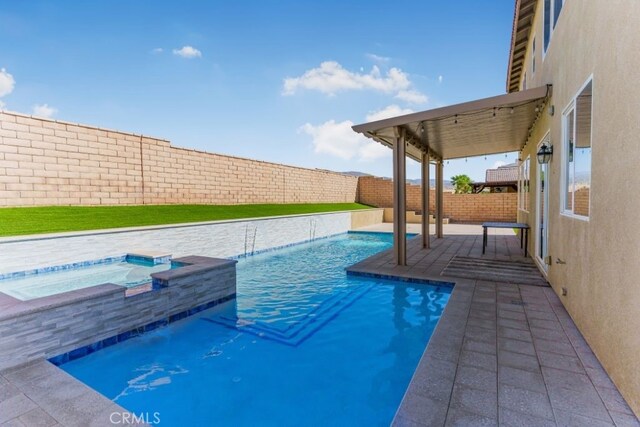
(602, 270)
(366, 217)
(46, 162)
(469, 208)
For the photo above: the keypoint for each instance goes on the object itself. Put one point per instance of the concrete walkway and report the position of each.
(503, 353)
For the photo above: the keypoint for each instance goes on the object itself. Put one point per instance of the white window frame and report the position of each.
(565, 152)
(552, 24)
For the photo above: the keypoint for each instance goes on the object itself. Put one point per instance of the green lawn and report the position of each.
(54, 219)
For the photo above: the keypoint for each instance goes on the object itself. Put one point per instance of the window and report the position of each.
(576, 166)
(552, 10)
(557, 7)
(523, 185)
(533, 56)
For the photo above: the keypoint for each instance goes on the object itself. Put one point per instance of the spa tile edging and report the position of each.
(129, 257)
(62, 267)
(127, 335)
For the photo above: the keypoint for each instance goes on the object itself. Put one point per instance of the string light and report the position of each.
(456, 120)
(494, 111)
(511, 110)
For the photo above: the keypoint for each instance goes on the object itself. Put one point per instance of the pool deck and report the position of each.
(502, 354)
(41, 394)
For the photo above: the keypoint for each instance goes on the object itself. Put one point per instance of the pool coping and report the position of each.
(40, 393)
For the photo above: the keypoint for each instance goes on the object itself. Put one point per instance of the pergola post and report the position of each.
(425, 179)
(439, 197)
(399, 198)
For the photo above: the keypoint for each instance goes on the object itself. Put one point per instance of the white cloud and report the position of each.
(43, 110)
(392, 110)
(330, 78)
(378, 58)
(372, 150)
(7, 83)
(412, 96)
(188, 52)
(339, 140)
(2, 105)
(440, 79)
(158, 51)
(497, 164)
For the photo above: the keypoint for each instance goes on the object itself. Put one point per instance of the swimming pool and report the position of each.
(303, 344)
(117, 271)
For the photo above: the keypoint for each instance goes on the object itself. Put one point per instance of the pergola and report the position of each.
(499, 124)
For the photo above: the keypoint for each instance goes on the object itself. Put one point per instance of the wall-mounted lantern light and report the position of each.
(544, 153)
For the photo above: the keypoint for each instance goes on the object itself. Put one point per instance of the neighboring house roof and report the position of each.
(522, 22)
(507, 173)
(503, 176)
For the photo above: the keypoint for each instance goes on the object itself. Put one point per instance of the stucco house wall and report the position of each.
(602, 270)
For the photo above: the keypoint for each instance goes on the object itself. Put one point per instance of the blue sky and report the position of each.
(273, 80)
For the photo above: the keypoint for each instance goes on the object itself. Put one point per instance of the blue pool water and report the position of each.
(303, 344)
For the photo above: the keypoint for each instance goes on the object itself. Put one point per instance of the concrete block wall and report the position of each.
(471, 208)
(581, 198)
(176, 175)
(47, 162)
(43, 162)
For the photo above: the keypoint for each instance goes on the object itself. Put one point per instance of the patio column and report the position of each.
(425, 198)
(439, 197)
(399, 198)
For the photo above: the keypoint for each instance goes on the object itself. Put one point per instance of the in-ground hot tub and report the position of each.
(79, 320)
(130, 270)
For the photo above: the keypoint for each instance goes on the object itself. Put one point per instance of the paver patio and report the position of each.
(41, 394)
(503, 353)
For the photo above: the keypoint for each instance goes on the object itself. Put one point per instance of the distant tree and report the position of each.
(462, 184)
